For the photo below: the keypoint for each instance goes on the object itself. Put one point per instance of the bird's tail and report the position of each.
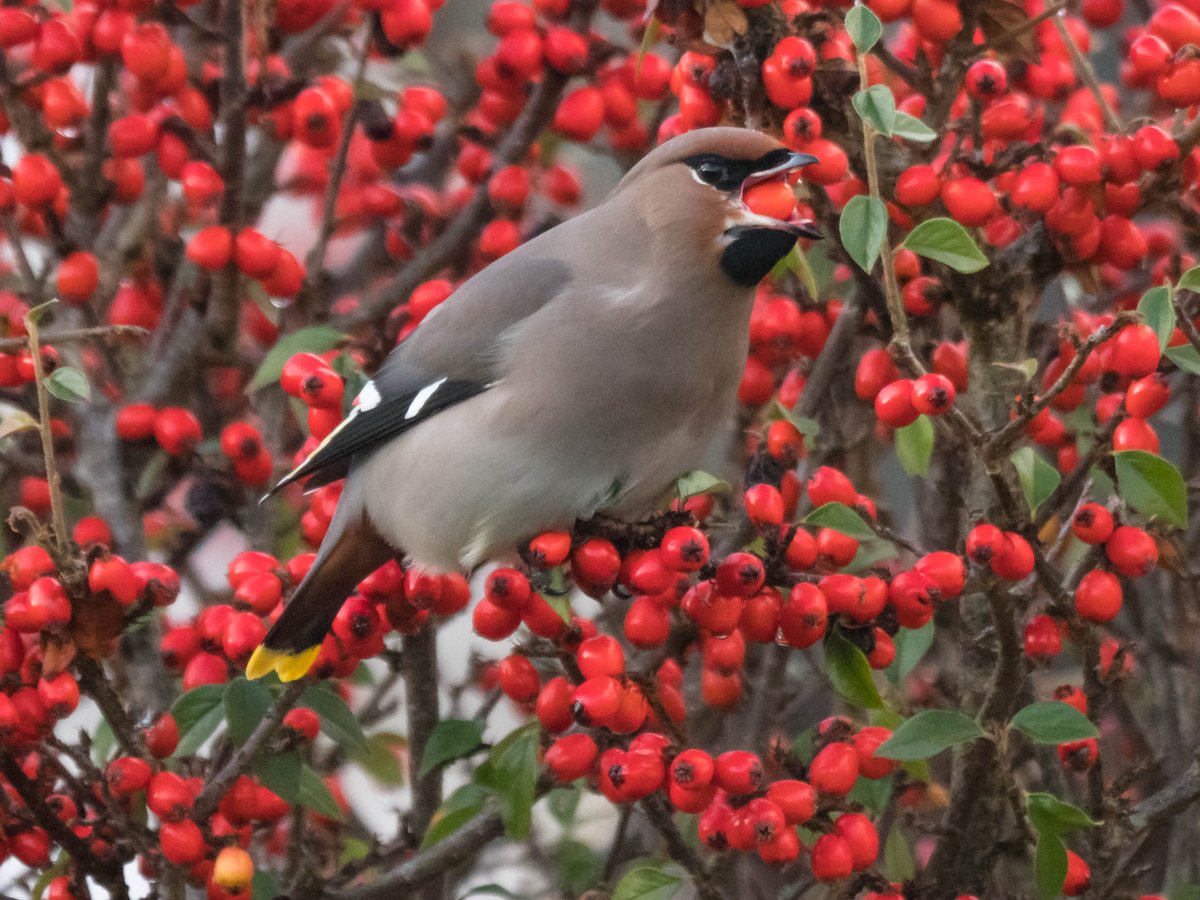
(351, 551)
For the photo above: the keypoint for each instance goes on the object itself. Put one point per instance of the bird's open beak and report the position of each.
(794, 161)
(800, 227)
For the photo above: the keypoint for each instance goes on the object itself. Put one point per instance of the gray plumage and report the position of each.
(583, 372)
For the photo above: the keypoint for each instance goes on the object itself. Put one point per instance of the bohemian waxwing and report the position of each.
(583, 372)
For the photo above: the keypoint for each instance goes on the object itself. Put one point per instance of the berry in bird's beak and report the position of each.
(768, 194)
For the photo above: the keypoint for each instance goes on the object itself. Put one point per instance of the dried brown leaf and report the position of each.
(724, 20)
(1004, 26)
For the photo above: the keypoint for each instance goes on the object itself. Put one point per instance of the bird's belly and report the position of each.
(471, 483)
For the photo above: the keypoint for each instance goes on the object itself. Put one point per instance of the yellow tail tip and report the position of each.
(289, 666)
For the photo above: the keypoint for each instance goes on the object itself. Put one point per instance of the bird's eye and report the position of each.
(711, 172)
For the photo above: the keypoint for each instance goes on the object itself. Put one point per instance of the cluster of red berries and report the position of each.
(218, 642)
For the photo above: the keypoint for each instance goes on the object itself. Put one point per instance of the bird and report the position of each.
(580, 374)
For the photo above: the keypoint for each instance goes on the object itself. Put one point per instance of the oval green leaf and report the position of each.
(69, 384)
(862, 227)
(877, 106)
(840, 517)
(451, 739)
(945, 241)
(914, 446)
(850, 673)
(928, 733)
(1038, 477)
(1157, 312)
(1152, 486)
(647, 883)
(864, 27)
(1053, 722)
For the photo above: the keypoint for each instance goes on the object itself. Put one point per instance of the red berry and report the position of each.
(831, 858)
(1131, 551)
(738, 772)
(894, 404)
(1092, 523)
(834, 769)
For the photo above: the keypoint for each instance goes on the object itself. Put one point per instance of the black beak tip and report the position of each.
(808, 230)
(799, 160)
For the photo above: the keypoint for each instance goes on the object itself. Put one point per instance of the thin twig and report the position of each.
(207, 802)
(72, 335)
(53, 479)
(1083, 68)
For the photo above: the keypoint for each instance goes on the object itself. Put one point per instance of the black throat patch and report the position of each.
(752, 252)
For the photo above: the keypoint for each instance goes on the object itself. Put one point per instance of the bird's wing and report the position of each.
(450, 357)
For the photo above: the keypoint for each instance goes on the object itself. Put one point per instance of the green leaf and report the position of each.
(810, 428)
(1157, 312)
(1050, 815)
(280, 772)
(456, 810)
(451, 739)
(1053, 722)
(873, 793)
(850, 673)
(912, 129)
(13, 419)
(945, 241)
(563, 802)
(337, 719)
(510, 771)
(561, 604)
(1185, 357)
(914, 446)
(1028, 367)
(378, 757)
(877, 106)
(200, 711)
(647, 883)
(579, 866)
(317, 339)
(864, 27)
(1184, 891)
(898, 862)
(911, 647)
(697, 482)
(205, 728)
(246, 704)
(69, 384)
(36, 314)
(1050, 865)
(313, 794)
(928, 733)
(264, 886)
(797, 262)
(1038, 477)
(863, 226)
(840, 517)
(1152, 486)
(43, 882)
(104, 742)
(1190, 280)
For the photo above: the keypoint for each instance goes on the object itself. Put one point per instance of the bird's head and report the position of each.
(693, 186)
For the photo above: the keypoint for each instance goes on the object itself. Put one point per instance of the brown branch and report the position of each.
(53, 479)
(1004, 438)
(240, 761)
(314, 277)
(659, 814)
(221, 316)
(81, 853)
(1186, 325)
(95, 684)
(1083, 68)
(419, 662)
(461, 846)
(78, 334)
